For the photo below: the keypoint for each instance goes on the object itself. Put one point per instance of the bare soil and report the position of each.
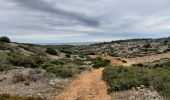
(147, 59)
(88, 86)
(41, 87)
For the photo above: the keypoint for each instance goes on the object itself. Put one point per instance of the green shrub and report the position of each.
(77, 61)
(9, 97)
(97, 65)
(33, 48)
(99, 62)
(167, 65)
(161, 81)
(124, 78)
(46, 65)
(32, 61)
(5, 39)
(51, 51)
(67, 51)
(98, 58)
(58, 62)
(120, 78)
(61, 71)
(82, 55)
(5, 67)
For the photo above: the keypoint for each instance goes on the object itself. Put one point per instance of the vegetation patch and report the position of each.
(5, 39)
(99, 62)
(61, 71)
(64, 71)
(32, 61)
(5, 67)
(51, 51)
(120, 78)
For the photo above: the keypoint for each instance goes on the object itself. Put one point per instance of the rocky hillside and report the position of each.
(28, 70)
(36, 72)
(126, 48)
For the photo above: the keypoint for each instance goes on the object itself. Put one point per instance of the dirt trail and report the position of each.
(130, 61)
(88, 86)
(150, 58)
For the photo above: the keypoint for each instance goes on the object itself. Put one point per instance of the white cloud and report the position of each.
(84, 20)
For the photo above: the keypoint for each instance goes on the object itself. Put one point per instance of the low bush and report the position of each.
(78, 61)
(82, 55)
(5, 39)
(161, 80)
(5, 67)
(61, 71)
(99, 62)
(67, 51)
(46, 65)
(32, 61)
(58, 62)
(9, 97)
(51, 51)
(120, 78)
(53, 63)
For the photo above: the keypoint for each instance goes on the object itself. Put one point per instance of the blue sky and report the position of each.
(53, 21)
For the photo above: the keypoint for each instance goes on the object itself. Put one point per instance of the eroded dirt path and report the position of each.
(88, 86)
(150, 58)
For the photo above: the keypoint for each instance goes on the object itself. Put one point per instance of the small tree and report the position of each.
(5, 39)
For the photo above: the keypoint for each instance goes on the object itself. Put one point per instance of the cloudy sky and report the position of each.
(56, 21)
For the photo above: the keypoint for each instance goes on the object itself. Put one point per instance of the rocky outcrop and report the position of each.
(138, 93)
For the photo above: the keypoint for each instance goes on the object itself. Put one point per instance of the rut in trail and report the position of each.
(88, 86)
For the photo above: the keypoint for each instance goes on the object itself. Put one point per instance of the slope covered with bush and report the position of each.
(120, 78)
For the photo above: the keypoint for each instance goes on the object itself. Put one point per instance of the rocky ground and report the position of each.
(31, 82)
(89, 85)
(128, 48)
(150, 58)
(138, 93)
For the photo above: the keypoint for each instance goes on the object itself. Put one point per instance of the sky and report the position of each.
(63, 21)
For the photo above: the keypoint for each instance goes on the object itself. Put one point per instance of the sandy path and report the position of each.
(88, 86)
(130, 61)
(150, 58)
